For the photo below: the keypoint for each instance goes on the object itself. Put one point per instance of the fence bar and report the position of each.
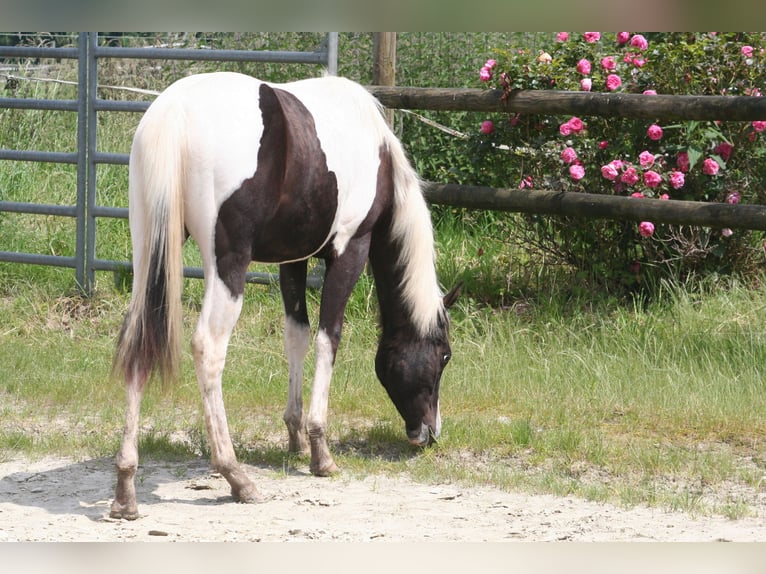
(37, 259)
(599, 206)
(39, 208)
(198, 54)
(31, 104)
(551, 102)
(40, 156)
(82, 164)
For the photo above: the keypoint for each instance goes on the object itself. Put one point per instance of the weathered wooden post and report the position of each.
(384, 64)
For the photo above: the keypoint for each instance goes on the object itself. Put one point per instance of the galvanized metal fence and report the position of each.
(87, 157)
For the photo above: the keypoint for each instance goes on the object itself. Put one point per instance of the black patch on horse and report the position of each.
(286, 210)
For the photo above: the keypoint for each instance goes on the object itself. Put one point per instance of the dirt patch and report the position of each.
(64, 500)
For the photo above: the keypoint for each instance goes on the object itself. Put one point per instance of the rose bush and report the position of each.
(692, 160)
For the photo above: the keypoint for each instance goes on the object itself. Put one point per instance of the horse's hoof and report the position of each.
(248, 494)
(121, 512)
(325, 469)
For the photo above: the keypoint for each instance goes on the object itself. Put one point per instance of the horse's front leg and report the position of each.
(220, 311)
(340, 277)
(292, 283)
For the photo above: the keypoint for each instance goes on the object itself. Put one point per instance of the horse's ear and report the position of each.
(451, 297)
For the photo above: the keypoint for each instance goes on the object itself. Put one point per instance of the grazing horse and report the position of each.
(277, 173)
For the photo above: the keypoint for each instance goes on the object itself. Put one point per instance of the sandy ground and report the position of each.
(65, 500)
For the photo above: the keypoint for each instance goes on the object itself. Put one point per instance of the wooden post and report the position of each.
(384, 64)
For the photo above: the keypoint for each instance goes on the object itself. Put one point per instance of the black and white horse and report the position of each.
(277, 173)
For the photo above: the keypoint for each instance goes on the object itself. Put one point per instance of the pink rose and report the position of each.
(682, 160)
(603, 144)
(565, 129)
(639, 61)
(759, 126)
(638, 41)
(677, 179)
(710, 166)
(487, 127)
(652, 179)
(576, 123)
(592, 37)
(485, 74)
(630, 176)
(747, 51)
(562, 36)
(569, 155)
(733, 198)
(583, 66)
(526, 182)
(650, 92)
(586, 84)
(608, 63)
(613, 82)
(646, 228)
(654, 132)
(646, 158)
(724, 149)
(664, 197)
(726, 232)
(490, 63)
(637, 195)
(610, 171)
(623, 37)
(577, 172)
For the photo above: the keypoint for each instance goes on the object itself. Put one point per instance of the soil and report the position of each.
(66, 500)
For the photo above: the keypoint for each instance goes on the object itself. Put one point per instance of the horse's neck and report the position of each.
(387, 270)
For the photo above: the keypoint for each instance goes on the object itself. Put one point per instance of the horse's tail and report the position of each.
(149, 340)
(413, 229)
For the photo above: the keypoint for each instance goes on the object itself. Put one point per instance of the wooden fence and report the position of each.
(724, 108)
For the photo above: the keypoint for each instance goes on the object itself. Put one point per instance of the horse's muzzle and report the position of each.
(425, 436)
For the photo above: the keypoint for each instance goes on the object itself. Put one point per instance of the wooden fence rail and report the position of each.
(725, 108)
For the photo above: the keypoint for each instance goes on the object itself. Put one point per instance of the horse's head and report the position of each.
(410, 368)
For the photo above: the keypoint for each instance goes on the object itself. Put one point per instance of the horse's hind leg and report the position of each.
(124, 504)
(292, 282)
(220, 311)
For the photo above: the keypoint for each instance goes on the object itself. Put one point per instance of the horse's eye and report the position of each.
(446, 358)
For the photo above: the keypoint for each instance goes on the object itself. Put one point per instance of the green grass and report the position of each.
(662, 405)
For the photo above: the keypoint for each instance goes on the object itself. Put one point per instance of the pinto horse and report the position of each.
(277, 173)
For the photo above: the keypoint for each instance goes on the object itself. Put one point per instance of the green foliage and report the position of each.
(723, 159)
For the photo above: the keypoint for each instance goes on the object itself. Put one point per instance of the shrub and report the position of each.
(649, 160)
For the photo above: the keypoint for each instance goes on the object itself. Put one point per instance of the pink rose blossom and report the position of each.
(650, 92)
(608, 63)
(583, 66)
(726, 232)
(565, 129)
(610, 171)
(592, 37)
(747, 51)
(646, 158)
(485, 74)
(724, 149)
(637, 195)
(577, 172)
(576, 123)
(639, 61)
(490, 63)
(586, 84)
(664, 197)
(682, 160)
(677, 179)
(569, 155)
(630, 176)
(654, 132)
(623, 37)
(646, 228)
(710, 166)
(603, 144)
(652, 179)
(638, 41)
(759, 126)
(526, 182)
(562, 36)
(613, 82)
(487, 127)
(733, 198)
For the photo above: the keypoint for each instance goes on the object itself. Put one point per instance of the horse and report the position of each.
(276, 173)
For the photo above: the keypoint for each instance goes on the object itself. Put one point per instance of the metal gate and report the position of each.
(86, 211)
